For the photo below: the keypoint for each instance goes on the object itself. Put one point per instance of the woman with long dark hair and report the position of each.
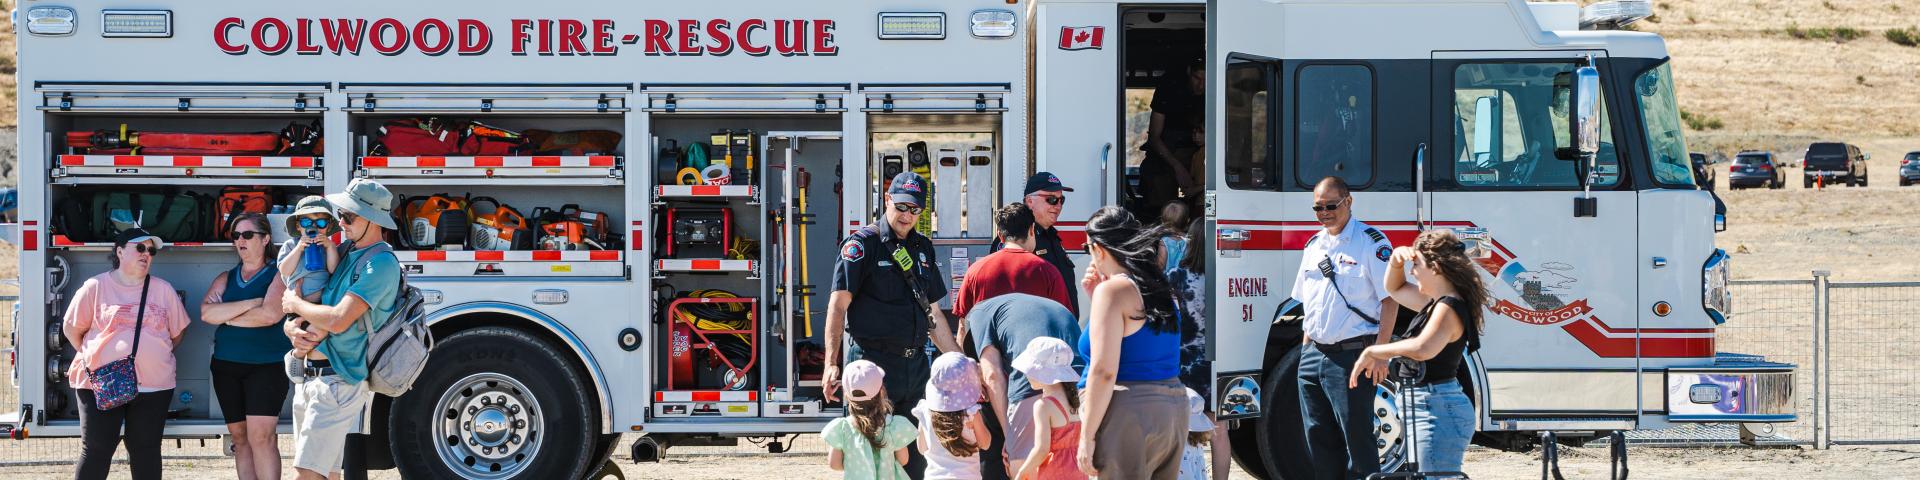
(1448, 329)
(1132, 344)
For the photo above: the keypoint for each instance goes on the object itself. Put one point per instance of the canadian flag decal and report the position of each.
(1082, 38)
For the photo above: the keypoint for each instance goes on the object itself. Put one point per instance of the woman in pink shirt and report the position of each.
(101, 323)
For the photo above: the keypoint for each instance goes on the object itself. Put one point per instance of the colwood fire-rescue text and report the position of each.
(434, 37)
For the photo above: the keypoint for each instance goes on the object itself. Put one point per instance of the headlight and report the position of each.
(1717, 297)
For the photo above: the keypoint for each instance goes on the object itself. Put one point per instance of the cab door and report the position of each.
(1247, 210)
(1562, 316)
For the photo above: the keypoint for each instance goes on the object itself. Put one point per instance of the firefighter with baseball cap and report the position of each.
(1046, 196)
(882, 309)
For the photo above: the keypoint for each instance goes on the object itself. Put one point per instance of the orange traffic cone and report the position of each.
(1819, 182)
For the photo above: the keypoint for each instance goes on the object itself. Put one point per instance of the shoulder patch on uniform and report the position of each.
(1314, 238)
(1375, 234)
(852, 251)
(1385, 252)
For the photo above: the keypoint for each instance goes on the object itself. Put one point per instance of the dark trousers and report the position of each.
(993, 464)
(144, 418)
(1339, 421)
(906, 383)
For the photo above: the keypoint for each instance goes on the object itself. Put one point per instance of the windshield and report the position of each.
(1661, 115)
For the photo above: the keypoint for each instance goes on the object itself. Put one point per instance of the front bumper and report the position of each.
(1737, 388)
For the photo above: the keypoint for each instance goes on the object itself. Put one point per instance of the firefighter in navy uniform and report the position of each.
(873, 315)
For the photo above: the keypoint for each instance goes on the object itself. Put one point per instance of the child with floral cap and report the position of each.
(870, 443)
(954, 433)
(1047, 363)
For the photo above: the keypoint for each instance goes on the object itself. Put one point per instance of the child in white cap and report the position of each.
(1048, 364)
(953, 433)
(870, 443)
(1193, 462)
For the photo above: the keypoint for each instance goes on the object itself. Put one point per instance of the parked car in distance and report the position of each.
(1834, 162)
(1702, 170)
(1910, 169)
(1755, 169)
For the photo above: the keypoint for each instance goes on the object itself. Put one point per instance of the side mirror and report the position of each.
(1585, 101)
(1486, 131)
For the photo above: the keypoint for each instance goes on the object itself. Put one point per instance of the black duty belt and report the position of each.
(1355, 343)
(891, 347)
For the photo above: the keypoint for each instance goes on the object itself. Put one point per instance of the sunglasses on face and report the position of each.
(906, 208)
(250, 235)
(345, 216)
(1054, 200)
(146, 249)
(313, 223)
(1328, 207)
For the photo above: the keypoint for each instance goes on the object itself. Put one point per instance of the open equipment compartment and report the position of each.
(505, 180)
(951, 134)
(725, 205)
(202, 152)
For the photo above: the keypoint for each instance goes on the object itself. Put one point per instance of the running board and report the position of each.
(1547, 424)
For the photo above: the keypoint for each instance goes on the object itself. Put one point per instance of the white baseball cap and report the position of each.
(862, 380)
(1047, 361)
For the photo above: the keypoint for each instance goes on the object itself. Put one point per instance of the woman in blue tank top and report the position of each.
(1132, 345)
(247, 346)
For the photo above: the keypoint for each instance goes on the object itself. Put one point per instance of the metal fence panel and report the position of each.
(1775, 319)
(1874, 363)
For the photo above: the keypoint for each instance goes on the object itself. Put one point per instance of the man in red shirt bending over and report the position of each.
(1013, 269)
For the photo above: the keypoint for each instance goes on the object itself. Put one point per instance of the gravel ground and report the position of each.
(810, 463)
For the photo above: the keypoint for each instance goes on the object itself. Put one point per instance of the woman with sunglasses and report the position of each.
(124, 313)
(1135, 409)
(247, 348)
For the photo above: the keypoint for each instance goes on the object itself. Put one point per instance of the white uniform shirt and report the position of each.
(1359, 254)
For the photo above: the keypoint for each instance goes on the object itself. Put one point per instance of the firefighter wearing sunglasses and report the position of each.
(882, 307)
(1047, 196)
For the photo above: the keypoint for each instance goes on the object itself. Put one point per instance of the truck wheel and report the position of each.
(1389, 429)
(602, 451)
(1806, 182)
(1272, 446)
(496, 403)
(1863, 180)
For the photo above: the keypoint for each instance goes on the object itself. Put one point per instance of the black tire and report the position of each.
(1806, 182)
(603, 447)
(1272, 446)
(485, 363)
(1863, 180)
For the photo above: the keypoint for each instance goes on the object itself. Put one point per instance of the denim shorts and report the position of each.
(1443, 420)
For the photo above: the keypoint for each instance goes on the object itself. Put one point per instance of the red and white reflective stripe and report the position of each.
(697, 265)
(30, 235)
(706, 396)
(184, 161)
(488, 162)
(509, 256)
(1608, 342)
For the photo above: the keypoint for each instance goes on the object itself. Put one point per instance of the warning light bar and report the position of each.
(136, 23)
(913, 26)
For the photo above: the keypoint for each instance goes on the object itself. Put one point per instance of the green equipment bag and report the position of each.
(172, 215)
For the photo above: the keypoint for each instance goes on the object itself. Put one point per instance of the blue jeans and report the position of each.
(1339, 421)
(1443, 420)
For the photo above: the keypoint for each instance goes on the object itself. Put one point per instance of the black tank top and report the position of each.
(1446, 365)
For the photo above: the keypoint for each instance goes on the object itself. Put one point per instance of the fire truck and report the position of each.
(681, 175)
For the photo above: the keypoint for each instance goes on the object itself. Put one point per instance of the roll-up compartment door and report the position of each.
(181, 97)
(953, 135)
(486, 98)
(745, 99)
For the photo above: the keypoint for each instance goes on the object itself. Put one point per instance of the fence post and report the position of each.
(1822, 398)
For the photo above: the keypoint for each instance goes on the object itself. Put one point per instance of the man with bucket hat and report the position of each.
(881, 309)
(363, 289)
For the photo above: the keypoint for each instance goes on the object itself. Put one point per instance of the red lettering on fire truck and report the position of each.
(529, 36)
